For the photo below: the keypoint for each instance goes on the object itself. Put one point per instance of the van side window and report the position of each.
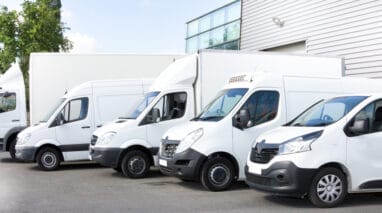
(262, 106)
(76, 110)
(7, 102)
(372, 113)
(172, 106)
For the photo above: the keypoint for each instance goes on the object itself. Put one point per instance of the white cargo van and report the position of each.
(213, 147)
(13, 113)
(64, 134)
(331, 149)
(131, 145)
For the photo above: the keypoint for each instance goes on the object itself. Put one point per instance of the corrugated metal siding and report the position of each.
(348, 28)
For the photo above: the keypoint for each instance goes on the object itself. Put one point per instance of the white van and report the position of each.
(13, 113)
(331, 149)
(65, 132)
(214, 146)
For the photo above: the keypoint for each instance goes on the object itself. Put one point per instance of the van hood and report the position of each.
(33, 129)
(181, 131)
(113, 126)
(285, 133)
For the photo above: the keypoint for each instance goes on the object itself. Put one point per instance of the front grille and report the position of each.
(168, 148)
(264, 155)
(93, 140)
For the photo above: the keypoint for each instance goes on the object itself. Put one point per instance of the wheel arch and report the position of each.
(51, 146)
(340, 167)
(226, 155)
(136, 147)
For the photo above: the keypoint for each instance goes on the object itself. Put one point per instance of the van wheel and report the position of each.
(329, 188)
(12, 149)
(135, 164)
(48, 159)
(217, 174)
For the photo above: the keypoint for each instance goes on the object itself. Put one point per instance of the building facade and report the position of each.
(349, 29)
(218, 29)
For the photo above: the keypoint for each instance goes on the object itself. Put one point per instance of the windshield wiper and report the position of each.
(211, 118)
(124, 118)
(297, 124)
(321, 124)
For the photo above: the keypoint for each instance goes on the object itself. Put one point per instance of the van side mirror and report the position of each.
(360, 127)
(60, 120)
(153, 116)
(242, 119)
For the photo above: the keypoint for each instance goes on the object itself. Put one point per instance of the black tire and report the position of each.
(12, 149)
(329, 188)
(135, 164)
(217, 174)
(48, 159)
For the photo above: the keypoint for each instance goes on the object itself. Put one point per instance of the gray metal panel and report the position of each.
(351, 29)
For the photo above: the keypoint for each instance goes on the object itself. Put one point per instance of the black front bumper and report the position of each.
(26, 154)
(106, 156)
(2, 148)
(283, 178)
(184, 165)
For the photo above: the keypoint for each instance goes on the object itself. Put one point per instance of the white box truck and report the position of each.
(131, 145)
(13, 113)
(330, 150)
(64, 134)
(213, 147)
(59, 72)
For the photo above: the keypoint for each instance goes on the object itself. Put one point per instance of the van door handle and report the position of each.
(99, 126)
(15, 120)
(85, 127)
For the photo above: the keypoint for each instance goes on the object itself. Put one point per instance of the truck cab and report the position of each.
(64, 134)
(13, 114)
(330, 150)
(130, 144)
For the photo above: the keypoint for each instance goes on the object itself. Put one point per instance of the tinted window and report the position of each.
(172, 106)
(262, 106)
(373, 114)
(76, 109)
(7, 102)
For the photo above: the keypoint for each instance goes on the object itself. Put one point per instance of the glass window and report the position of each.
(149, 97)
(7, 102)
(205, 23)
(232, 31)
(50, 113)
(217, 36)
(218, 18)
(225, 101)
(327, 112)
(262, 107)
(192, 28)
(192, 44)
(76, 110)
(233, 12)
(204, 40)
(172, 106)
(373, 114)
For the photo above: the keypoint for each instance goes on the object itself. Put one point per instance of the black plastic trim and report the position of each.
(106, 156)
(283, 178)
(26, 154)
(74, 147)
(154, 150)
(373, 184)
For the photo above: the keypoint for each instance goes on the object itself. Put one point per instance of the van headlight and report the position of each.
(106, 138)
(299, 144)
(24, 139)
(189, 140)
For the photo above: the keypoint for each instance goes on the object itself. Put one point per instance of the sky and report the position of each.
(139, 26)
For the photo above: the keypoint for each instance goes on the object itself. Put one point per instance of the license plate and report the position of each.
(163, 162)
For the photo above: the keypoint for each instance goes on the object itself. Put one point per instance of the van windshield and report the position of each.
(50, 113)
(149, 97)
(225, 101)
(327, 112)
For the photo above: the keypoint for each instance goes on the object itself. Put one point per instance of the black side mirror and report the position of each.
(360, 127)
(242, 119)
(60, 120)
(153, 116)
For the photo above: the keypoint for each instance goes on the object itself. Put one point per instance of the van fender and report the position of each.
(14, 130)
(43, 142)
(134, 142)
(149, 149)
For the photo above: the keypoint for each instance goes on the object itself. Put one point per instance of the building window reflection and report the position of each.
(219, 29)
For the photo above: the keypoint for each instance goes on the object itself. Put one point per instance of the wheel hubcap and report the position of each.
(48, 159)
(219, 175)
(329, 188)
(137, 165)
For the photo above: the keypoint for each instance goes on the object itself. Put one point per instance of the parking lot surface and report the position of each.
(88, 187)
